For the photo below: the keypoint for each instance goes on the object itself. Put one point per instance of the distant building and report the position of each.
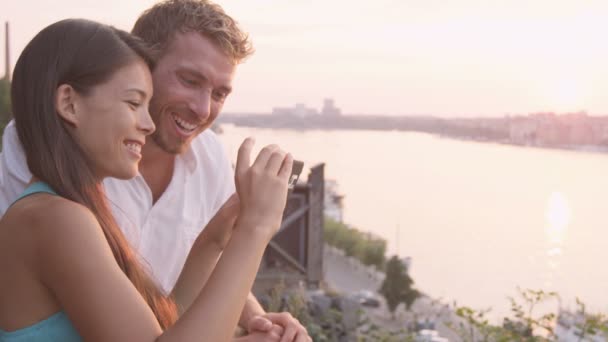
(300, 110)
(522, 131)
(567, 130)
(329, 109)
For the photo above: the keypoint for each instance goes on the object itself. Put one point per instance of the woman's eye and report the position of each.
(133, 104)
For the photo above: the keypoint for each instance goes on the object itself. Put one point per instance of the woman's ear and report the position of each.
(65, 104)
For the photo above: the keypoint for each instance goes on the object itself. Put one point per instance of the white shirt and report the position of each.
(162, 233)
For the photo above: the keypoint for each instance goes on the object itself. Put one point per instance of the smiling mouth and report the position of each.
(183, 125)
(134, 147)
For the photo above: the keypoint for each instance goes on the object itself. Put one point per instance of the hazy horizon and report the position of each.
(464, 58)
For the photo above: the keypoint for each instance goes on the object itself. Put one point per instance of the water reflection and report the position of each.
(558, 215)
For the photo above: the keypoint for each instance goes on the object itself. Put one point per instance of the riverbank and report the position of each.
(348, 276)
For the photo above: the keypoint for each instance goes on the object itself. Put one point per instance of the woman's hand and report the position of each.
(262, 187)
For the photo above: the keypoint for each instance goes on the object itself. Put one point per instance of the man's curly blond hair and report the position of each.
(157, 25)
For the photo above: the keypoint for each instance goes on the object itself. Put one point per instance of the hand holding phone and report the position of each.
(295, 173)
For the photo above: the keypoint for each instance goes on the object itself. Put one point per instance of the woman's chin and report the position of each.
(126, 173)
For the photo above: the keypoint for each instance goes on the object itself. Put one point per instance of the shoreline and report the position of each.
(593, 149)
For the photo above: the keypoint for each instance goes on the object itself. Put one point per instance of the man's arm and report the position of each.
(204, 254)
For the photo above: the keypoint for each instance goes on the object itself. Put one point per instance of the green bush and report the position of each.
(525, 324)
(366, 248)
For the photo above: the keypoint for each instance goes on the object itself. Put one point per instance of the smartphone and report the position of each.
(295, 173)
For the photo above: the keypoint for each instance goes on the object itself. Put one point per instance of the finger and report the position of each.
(243, 158)
(289, 334)
(301, 337)
(262, 159)
(274, 335)
(258, 336)
(278, 329)
(301, 332)
(286, 167)
(275, 162)
(259, 323)
(281, 318)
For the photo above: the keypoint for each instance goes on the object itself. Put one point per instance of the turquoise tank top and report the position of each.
(56, 328)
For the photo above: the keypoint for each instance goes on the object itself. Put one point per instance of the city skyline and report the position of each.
(458, 58)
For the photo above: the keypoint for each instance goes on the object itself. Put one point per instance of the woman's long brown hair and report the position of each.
(82, 54)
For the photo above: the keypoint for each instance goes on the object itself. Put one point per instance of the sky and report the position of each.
(393, 57)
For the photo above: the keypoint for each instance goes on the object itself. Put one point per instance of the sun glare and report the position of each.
(558, 215)
(566, 95)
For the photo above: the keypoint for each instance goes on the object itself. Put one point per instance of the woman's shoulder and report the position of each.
(42, 218)
(44, 231)
(43, 210)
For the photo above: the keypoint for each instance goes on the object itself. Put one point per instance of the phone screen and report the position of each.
(295, 173)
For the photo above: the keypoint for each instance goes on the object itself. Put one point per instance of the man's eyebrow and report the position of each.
(197, 74)
(191, 72)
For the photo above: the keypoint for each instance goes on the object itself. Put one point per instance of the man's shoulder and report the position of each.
(14, 173)
(207, 142)
(209, 151)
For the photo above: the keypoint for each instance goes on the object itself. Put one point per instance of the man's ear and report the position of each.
(65, 104)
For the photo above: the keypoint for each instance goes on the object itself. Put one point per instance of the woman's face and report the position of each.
(113, 121)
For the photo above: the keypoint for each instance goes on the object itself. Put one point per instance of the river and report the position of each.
(478, 219)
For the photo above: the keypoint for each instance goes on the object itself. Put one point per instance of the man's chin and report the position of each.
(170, 148)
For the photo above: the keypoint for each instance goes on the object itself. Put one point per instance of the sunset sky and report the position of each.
(447, 58)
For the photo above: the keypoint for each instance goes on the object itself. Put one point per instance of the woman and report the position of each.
(80, 96)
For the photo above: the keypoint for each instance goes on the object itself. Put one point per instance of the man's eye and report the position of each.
(220, 96)
(189, 81)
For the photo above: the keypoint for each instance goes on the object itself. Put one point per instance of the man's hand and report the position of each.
(291, 329)
(219, 229)
(270, 335)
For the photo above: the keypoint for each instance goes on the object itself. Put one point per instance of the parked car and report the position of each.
(426, 335)
(367, 298)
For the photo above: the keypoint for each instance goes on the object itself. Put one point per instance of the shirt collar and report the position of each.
(189, 159)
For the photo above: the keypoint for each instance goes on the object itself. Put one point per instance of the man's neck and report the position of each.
(156, 166)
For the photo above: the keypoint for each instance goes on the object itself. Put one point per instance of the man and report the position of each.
(185, 177)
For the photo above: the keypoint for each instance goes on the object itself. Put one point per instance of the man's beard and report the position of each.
(161, 141)
(165, 146)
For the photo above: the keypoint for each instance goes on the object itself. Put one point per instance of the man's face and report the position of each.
(191, 82)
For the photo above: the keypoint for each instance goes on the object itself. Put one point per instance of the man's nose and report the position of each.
(201, 106)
